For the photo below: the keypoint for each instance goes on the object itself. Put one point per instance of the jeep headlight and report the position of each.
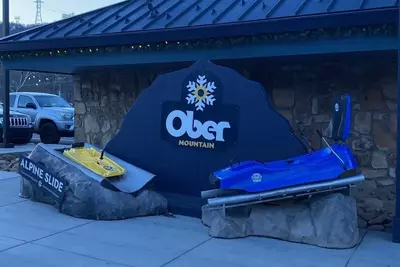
(67, 116)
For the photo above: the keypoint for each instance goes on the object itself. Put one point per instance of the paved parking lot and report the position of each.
(64, 140)
(37, 235)
(28, 147)
(25, 148)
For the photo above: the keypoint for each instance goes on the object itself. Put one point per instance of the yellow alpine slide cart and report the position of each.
(94, 160)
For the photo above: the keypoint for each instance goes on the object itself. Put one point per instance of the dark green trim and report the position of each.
(300, 36)
(78, 62)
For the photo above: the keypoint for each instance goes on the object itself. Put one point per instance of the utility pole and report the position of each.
(38, 18)
(6, 80)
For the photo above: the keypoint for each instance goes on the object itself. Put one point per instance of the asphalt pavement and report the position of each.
(30, 146)
(64, 140)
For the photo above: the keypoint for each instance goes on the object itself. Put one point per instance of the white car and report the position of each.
(52, 116)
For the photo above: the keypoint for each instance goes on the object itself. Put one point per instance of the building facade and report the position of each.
(302, 52)
(301, 91)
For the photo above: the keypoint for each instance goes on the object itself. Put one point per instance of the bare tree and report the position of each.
(58, 79)
(23, 78)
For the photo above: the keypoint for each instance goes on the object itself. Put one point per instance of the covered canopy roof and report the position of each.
(144, 21)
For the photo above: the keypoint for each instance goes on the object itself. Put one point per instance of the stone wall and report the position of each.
(9, 162)
(304, 95)
(102, 100)
(302, 91)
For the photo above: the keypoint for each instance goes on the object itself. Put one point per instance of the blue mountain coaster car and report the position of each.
(317, 166)
(328, 168)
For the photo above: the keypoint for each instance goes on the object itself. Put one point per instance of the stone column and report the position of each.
(80, 110)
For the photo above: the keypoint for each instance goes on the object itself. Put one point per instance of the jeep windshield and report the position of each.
(46, 101)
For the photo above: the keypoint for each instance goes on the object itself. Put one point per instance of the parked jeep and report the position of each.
(21, 127)
(52, 116)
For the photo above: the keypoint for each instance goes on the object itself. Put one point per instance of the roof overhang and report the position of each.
(288, 24)
(79, 63)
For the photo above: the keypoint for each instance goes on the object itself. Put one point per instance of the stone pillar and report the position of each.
(80, 110)
(101, 103)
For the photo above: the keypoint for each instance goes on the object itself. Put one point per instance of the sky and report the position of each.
(52, 9)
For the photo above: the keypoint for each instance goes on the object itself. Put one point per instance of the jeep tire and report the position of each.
(49, 133)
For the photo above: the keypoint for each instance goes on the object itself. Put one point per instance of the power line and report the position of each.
(38, 18)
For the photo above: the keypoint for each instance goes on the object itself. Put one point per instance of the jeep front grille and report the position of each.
(18, 122)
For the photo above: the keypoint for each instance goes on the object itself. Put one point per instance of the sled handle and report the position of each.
(232, 161)
(333, 151)
(304, 138)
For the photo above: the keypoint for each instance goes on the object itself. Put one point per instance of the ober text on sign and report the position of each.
(189, 124)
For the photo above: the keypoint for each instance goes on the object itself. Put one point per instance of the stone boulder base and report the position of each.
(87, 198)
(326, 221)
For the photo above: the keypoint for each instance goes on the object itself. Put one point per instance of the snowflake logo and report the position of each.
(40, 184)
(200, 93)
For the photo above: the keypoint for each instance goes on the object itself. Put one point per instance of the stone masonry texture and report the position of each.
(9, 162)
(302, 91)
